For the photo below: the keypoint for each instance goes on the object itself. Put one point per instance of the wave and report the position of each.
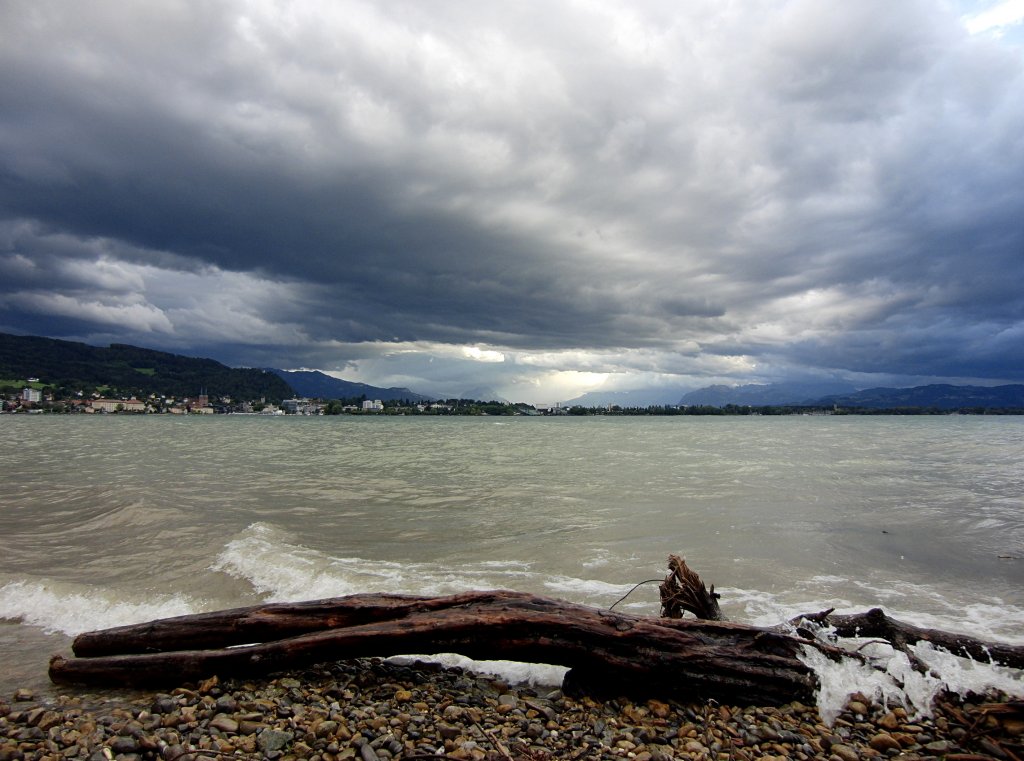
(278, 567)
(281, 569)
(58, 607)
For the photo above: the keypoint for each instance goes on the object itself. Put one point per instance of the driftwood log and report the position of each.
(607, 652)
(622, 653)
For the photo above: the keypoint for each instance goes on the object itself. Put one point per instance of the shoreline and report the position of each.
(372, 710)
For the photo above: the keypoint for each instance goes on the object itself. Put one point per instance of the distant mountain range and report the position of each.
(651, 397)
(483, 394)
(820, 394)
(940, 396)
(74, 366)
(753, 394)
(764, 394)
(317, 385)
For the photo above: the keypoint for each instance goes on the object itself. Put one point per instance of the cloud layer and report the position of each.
(535, 197)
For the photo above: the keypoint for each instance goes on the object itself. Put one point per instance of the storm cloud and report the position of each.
(537, 198)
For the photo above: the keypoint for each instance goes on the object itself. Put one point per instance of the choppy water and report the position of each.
(109, 520)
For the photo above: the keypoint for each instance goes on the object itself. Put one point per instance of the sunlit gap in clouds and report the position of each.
(482, 355)
(565, 384)
(997, 18)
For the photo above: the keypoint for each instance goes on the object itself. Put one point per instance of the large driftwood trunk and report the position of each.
(623, 653)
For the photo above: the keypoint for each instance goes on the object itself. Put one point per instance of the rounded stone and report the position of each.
(883, 743)
(163, 704)
(857, 707)
(845, 752)
(124, 745)
(890, 721)
(224, 724)
(273, 739)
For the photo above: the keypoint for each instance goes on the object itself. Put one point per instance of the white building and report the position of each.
(31, 395)
(375, 406)
(118, 405)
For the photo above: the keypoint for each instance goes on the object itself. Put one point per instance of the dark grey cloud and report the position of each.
(647, 194)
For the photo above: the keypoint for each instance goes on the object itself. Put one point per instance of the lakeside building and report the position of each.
(31, 395)
(375, 406)
(117, 405)
(301, 407)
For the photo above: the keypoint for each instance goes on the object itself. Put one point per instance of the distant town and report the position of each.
(33, 399)
(37, 399)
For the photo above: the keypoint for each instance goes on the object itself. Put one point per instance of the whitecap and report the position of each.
(72, 610)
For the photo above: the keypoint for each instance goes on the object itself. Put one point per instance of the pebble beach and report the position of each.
(374, 710)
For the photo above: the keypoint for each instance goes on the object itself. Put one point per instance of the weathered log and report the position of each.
(632, 654)
(271, 621)
(875, 624)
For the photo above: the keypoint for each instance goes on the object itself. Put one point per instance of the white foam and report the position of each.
(513, 672)
(759, 608)
(888, 677)
(828, 579)
(989, 620)
(600, 559)
(586, 587)
(60, 608)
(896, 683)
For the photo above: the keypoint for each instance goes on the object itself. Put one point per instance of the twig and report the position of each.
(635, 587)
(497, 743)
(874, 642)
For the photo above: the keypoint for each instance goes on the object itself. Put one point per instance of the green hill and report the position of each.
(69, 367)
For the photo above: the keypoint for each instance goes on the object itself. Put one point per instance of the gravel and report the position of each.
(370, 710)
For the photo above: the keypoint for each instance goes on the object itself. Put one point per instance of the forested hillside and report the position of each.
(69, 367)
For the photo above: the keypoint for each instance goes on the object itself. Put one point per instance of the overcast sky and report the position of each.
(536, 198)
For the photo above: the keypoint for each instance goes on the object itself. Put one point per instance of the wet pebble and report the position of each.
(369, 710)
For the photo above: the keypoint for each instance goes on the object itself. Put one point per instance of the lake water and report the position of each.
(109, 520)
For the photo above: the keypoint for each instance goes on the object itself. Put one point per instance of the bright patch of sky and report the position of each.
(1000, 18)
